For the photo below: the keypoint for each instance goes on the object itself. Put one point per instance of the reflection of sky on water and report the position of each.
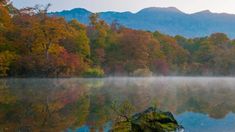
(192, 122)
(197, 122)
(86, 128)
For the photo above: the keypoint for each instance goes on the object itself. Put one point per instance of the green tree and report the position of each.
(97, 33)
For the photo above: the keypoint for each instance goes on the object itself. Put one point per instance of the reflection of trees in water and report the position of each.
(44, 105)
(5, 96)
(58, 104)
(216, 101)
(213, 97)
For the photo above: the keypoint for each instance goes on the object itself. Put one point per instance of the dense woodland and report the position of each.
(33, 44)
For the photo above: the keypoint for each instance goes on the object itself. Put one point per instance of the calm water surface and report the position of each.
(199, 104)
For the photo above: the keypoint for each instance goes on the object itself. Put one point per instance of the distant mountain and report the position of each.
(166, 20)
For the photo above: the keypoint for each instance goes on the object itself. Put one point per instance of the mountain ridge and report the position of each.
(169, 20)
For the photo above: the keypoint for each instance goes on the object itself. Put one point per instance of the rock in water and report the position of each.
(151, 120)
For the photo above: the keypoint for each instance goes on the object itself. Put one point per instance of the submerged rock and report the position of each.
(151, 120)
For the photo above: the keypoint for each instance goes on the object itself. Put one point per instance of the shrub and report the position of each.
(93, 72)
(6, 59)
(142, 72)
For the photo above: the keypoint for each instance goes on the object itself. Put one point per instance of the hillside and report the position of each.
(166, 20)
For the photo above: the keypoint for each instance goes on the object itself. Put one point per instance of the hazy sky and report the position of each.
(188, 6)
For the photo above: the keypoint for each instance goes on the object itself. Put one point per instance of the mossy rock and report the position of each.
(151, 120)
(123, 126)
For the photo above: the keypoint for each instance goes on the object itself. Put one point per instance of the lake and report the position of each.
(200, 104)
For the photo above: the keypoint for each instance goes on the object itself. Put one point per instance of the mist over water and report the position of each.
(198, 103)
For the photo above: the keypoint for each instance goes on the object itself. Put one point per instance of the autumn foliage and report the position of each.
(35, 44)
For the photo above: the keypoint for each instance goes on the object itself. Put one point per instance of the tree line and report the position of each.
(35, 44)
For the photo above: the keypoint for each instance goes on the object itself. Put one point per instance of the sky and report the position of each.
(187, 6)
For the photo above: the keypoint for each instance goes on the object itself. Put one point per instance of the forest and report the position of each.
(35, 44)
